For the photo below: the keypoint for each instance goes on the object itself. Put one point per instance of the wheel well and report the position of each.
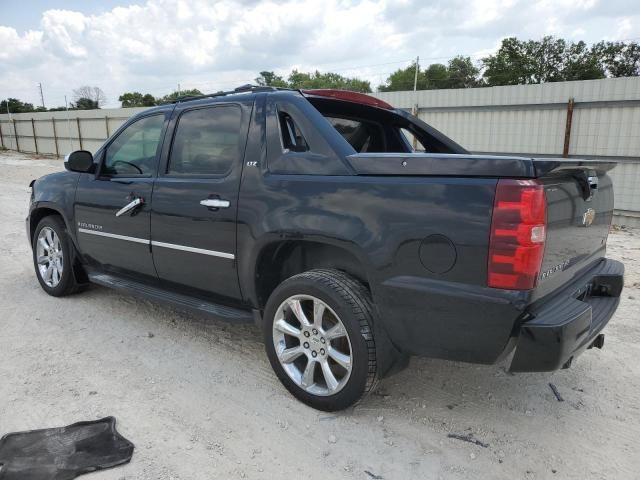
(34, 219)
(282, 260)
(38, 215)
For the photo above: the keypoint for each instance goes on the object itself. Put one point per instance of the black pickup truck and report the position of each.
(353, 233)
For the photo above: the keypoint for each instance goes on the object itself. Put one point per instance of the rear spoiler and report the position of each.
(545, 166)
(463, 165)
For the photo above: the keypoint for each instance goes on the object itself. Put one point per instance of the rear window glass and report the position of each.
(363, 136)
(207, 141)
(415, 144)
(376, 130)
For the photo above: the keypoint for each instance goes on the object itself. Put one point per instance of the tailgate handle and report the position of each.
(592, 182)
(588, 182)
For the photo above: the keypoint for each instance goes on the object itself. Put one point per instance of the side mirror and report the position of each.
(80, 161)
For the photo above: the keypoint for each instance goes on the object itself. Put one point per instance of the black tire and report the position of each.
(351, 301)
(67, 283)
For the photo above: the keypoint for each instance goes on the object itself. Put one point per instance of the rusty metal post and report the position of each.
(106, 126)
(567, 128)
(55, 135)
(15, 133)
(33, 129)
(414, 111)
(1, 136)
(79, 134)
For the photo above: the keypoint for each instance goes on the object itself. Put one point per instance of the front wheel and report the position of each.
(52, 257)
(318, 329)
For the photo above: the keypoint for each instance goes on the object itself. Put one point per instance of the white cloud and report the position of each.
(63, 33)
(16, 47)
(213, 45)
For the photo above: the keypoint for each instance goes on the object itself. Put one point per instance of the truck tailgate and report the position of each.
(579, 197)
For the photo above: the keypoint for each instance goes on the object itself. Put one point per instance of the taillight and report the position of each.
(518, 231)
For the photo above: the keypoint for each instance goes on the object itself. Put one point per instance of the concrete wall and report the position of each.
(523, 120)
(57, 132)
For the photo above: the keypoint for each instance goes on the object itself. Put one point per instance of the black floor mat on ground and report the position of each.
(63, 453)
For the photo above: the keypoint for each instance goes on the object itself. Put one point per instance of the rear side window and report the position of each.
(292, 138)
(207, 141)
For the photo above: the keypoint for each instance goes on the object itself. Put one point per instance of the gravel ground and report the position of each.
(199, 399)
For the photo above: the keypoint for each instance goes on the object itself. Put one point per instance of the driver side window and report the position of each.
(134, 151)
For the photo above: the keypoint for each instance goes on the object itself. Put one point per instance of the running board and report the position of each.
(132, 287)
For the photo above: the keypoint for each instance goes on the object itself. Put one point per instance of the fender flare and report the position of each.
(46, 205)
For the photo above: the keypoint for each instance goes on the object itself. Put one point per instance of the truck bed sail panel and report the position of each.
(429, 164)
(438, 164)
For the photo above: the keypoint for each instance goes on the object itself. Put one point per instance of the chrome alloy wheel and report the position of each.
(49, 257)
(316, 353)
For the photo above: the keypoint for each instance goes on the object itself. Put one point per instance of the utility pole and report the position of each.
(414, 110)
(178, 88)
(11, 122)
(41, 94)
(66, 106)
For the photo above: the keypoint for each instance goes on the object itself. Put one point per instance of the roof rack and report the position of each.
(242, 89)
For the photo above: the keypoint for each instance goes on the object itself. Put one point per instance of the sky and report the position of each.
(152, 46)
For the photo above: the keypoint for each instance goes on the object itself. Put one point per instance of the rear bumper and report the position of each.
(560, 329)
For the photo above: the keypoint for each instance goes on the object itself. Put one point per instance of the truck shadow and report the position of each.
(424, 384)
(456, 386)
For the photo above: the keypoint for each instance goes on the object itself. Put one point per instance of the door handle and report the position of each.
(215, 203)
(130, 206)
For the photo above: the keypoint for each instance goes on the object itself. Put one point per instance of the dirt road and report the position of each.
(199, 399)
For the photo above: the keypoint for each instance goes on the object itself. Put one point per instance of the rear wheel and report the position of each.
(52, 257)
(319, 340)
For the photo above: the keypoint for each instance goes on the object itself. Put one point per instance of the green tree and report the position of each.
(510, 65)
(547, 59)
(460, 72)
(270, 79)
(84, 103)
(554, 59)
(148, 100)
(618, 59)
(582, 63)
(463, 73)
(307, 80)
(16, 106)
(436, 76)
(136, 99)
(194, 92)
(86, 96)
(402, 79)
